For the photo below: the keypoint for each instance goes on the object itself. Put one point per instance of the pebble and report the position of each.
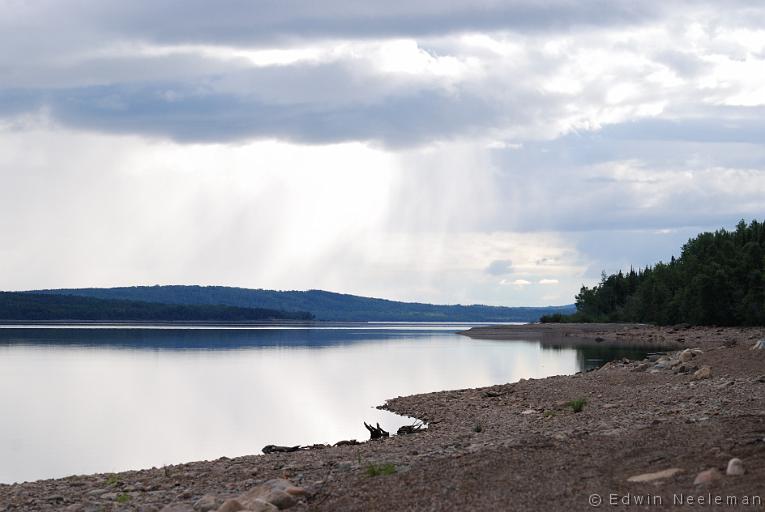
(708, 476)
(735, 467)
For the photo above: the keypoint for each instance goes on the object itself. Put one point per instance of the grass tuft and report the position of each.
(577, 405)
(381, 469)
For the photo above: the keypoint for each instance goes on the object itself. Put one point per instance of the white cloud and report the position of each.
(548, 281)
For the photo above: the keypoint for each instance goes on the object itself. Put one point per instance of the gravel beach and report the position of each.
(675, 431)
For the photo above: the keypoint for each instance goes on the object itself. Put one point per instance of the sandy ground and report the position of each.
(507, 447)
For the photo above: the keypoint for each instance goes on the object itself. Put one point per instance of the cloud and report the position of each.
(548, 281)
(500, 267)
(516, 282)
(503, 74)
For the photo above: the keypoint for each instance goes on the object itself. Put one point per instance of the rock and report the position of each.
(230, 506)
(735, 467)
(760, 345)
(278, 493)
(658, 475)
(685, 356)
(264, 506)
(176, 507)
(344, 466)
(705, 372)
(281, 499)
(641, 367)
(206, 503)
(529, 411)
(707, 477)
(686, 368)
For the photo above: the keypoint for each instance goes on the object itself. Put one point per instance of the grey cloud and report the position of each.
(499, 267)
(280, 21)
(331, 102)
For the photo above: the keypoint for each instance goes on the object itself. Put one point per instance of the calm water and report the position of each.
(79, 400)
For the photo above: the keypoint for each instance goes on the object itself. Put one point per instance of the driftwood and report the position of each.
(376, 432)
(411, 429)
(315, 447)
(280, 449)
(351, 442)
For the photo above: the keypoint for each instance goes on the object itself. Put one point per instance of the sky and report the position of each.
(441, 151)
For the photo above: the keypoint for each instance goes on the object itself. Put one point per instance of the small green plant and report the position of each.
(112, 479)
(478, 428)
(577, 405)
(123, 498)
(380, 469)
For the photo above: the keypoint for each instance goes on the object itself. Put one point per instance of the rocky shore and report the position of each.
(676, 430)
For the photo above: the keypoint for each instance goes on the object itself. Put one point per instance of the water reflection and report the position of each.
(82, 401)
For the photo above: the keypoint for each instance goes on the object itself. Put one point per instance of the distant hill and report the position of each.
(323, 305)
(17, 306)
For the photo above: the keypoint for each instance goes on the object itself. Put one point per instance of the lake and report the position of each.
(80, 400)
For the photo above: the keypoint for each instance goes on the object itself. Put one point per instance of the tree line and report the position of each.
(718, 279)
(19, 306)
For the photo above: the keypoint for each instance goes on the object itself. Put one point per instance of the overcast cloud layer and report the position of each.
(498, 152)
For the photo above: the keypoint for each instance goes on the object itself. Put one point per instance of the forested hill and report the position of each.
(718, 279)
(324, 305)
(16, 306)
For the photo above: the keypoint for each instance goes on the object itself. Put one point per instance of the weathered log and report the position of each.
(271, 448)
(376, 432)
(410, 429)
